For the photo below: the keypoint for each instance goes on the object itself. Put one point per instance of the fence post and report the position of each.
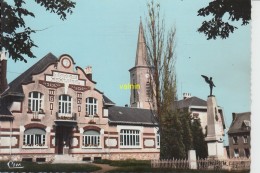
(192, 159)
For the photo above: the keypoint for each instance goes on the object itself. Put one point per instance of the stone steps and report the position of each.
(66, 159)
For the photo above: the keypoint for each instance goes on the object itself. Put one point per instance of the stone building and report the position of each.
(239, 135)
(198, 109)
(54, 109)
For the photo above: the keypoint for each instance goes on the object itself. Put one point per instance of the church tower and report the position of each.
(139, 75)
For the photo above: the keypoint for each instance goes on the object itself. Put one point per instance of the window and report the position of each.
(134, 92)
(35, 101)
(91, 106)
(245, 139)
(65, 104)
(91, 138)
(158, 139)
(235, 139)
(236, 152)
(247, 152)
(130, 138)
(34, 137)
(148, 91)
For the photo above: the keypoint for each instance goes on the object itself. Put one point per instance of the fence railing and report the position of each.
(205, 164)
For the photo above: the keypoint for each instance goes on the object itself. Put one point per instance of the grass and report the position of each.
(34, 167)
(133, 165)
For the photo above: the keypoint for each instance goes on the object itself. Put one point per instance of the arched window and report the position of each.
(34, 137)
(91, 106)
(91, 138)
(35, 101)
(65, 104)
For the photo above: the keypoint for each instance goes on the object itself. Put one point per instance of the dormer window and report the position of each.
(91, 106)
(35, 101)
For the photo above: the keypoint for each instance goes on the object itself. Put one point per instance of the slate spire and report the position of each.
(141, 53)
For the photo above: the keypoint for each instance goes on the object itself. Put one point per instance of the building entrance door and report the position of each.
(62, 139)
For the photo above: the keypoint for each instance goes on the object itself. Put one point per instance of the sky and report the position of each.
(104, 34)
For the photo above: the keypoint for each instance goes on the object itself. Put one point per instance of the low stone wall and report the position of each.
(118, 156)
(48, 157)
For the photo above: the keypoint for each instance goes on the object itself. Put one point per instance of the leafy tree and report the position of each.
(15, 34)
(237, 10)
(172, 145)
(199, 143)
(185, 119)
(161, 60)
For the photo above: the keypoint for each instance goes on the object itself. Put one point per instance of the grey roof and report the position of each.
(4, 112)
(240, 123)
(107, 101)
(132, 116)
(192, 101)
(15, 87)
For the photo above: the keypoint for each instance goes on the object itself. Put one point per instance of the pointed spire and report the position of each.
(141, 54)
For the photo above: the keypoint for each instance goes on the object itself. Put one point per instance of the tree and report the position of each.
(185, 119)
(16, 35)
(199, 142)
(161, 60)
(235, 9)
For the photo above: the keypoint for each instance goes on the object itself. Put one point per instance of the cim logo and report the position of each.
(14, 165)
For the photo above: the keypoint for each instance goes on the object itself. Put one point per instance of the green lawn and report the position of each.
(145, 166)
(34, 167)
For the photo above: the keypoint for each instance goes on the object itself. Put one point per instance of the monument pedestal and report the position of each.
(214, 137)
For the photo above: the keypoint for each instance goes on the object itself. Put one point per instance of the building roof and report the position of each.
(192, 101)
(4, 112)
(240, 123)
(107, 101)
(132, 116)
(15, 87)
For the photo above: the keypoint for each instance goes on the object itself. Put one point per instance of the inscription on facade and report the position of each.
(65, 78)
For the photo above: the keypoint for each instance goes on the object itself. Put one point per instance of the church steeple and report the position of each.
(141, 54)
(139, 75)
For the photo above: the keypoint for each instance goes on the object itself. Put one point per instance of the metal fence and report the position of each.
(205, 164)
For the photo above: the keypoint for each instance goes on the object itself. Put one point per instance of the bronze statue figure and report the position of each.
(210, 82)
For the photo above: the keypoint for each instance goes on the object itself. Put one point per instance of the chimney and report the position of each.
(186, 95)
(3, 69)
(88, 71)
(233, 116)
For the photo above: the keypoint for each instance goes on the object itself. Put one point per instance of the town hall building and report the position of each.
(54, 108)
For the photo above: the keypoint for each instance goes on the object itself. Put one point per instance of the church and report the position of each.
(54, 109)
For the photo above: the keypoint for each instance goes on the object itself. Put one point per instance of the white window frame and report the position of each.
(91, 108)
(65, 106)
(130, 138)
(245, 138)
(34, 140)
(91, 141)
(35, 103)
(235, 141)
(236, 154)
(158, 139)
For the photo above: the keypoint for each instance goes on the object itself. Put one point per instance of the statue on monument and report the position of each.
(210, 82)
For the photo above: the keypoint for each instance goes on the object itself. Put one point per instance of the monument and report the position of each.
(215, 131)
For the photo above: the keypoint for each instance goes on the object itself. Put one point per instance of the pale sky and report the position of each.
(104, 33)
